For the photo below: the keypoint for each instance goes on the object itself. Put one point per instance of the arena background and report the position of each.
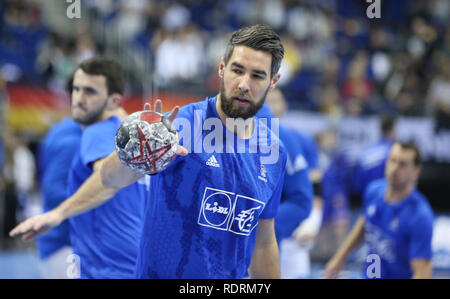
(341, 71)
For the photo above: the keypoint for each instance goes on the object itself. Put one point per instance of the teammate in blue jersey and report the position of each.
(105, 239)
(372, 160)
(396, 224)
(55, 154)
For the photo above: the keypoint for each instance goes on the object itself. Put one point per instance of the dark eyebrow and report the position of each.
(259, 72)
(85, 88)
(237, 65)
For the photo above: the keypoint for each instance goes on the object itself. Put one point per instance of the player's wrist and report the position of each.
(58, 215)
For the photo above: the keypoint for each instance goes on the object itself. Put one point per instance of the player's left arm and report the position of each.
(421, 268)
(265, 260)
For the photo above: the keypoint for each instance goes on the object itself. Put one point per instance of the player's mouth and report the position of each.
(241, 101)
(74, 107)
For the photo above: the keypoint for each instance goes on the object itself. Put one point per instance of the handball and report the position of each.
(146, 142)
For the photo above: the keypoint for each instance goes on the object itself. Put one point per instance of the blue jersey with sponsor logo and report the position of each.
(55, 156)
(395, 234)
(105, 238)
(202, 216)
(370, 165)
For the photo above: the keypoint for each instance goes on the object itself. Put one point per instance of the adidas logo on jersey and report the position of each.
(212, 162)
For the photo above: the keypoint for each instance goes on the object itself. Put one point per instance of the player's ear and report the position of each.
(274, 81)
(417, 171)
(114, 100)
(221, 67)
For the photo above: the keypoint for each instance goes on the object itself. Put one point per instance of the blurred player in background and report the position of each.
(324, 229)
(372, 160)
(55, 155)
(105, 238)
(297, 195)
(396, 225)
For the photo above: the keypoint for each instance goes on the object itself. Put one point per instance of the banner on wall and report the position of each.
(33, 109)
(358, 132)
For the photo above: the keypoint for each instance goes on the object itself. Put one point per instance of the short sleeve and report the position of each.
(311, 152)
(371, 192)
(421, 236)
(271, 208)
(98, 140)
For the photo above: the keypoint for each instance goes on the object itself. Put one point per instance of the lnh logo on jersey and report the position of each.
(228, 211)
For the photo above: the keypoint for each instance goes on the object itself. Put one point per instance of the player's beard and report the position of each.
(90, 117)
(231, 109)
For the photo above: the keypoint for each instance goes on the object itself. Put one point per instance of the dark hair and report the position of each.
(258, 37)
(106, 67)
(387, 123)
(410, 145)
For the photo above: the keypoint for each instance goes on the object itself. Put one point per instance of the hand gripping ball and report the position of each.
(146, 142)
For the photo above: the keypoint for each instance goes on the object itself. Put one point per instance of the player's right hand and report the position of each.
(333, 268)
(37, 225)
(172, 115)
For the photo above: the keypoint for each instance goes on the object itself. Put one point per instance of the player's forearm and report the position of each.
(353, 240)
(426, 274)
(115, 175)
(422, 269)
(265, 262)
(90, 195)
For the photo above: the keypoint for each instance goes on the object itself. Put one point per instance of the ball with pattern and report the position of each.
(146, 142)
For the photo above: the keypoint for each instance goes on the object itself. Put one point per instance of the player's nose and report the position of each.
(244, 84)
(78, 97)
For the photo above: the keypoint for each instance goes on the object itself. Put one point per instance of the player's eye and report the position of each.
(90, 91)
(258, 76)
(237, 71)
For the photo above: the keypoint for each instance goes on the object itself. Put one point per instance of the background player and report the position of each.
(372, 160)
(396, 225)
(106, 238)
(297, 196)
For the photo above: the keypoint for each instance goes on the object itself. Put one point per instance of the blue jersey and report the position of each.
(297, 196)
(398, 233)
(105, 238)
(202, 216)
(371, 164)
(55, 155)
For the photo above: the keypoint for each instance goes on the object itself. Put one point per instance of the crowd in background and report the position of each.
(338, 61)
